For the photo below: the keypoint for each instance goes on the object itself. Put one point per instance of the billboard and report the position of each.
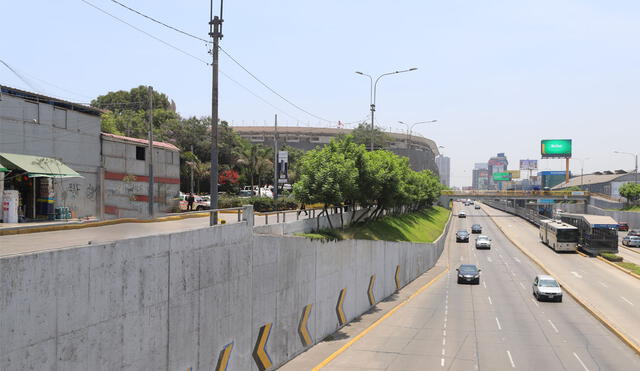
(283, 167)
(556, 148)
(502, 177)
(528, 164)
(515, 174)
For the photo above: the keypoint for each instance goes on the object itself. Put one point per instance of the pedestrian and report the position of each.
(190, 200)
(302, 208)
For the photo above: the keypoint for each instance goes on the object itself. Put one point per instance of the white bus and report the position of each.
(558, 235)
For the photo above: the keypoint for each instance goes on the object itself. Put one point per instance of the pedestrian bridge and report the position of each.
(517, 195)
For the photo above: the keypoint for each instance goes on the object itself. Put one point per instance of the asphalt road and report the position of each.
(496, 325)
(612, 293)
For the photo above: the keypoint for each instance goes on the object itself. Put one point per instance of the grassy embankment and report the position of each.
(617, 259)
(423, 226)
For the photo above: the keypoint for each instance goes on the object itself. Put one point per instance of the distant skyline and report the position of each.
(499, 76)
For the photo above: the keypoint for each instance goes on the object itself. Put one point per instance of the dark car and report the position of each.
(622, 226)
(476, 228)
(462, 236)
(468, 273)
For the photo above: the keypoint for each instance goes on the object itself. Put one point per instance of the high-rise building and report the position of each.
(480, 176)
(444, 168)
(497, 164)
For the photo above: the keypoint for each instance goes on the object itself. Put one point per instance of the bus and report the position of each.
(596, 233)
(558, 235)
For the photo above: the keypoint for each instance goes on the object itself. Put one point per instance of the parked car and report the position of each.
(476, 228)
(462, 214)
(631, 241)
(245, 193)
(546, 287)
(468, 273)
(483, 242)
(634, 232)
(462, 236)
(623, 226)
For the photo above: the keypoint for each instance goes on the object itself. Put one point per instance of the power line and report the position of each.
(24, 79)
(161, 23)
(144, 32)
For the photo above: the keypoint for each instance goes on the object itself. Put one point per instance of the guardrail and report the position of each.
(308, 213)
(515, 193)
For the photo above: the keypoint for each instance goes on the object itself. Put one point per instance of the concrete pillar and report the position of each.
(247, 215)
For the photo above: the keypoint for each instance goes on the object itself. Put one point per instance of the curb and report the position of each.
(618, 267)
(629, 249)
(591, 311)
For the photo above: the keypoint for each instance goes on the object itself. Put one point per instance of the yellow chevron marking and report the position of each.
(398, 277)
(303, 331)
(341, 317)
(372, 298)
(259, 352)
(223, 358)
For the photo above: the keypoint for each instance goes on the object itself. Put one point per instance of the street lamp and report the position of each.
(411, 126)
(372, 94)
(582, 160)
(634, 155)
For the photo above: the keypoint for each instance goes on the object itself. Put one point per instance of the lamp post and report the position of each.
(372, 95)
(411, 126)
(582, 160)
(636, 157)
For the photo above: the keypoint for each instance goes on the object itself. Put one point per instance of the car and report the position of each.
(462, 214)
(631, 241)
(476, 228)
(469, 273)
(634, 232)
(623, 226)
(462, 236)
(477, 207)
(546, 288)
(245, 193)
(483, 242)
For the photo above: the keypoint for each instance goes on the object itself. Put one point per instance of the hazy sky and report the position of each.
(497, 75)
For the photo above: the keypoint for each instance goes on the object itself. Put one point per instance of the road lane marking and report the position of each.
(490, 302)
(489, 259)
(518, 260)
(484, 284)
(579, 360)
(461, 258)
(535, 302)
(603, 284)
(498, 322)
(522, 285)
(442, 362)
(576, 274)
(554, 327)
(627, 300)
(513, 365)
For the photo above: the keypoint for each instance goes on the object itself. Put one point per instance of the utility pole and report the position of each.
(150, 195)
(215, 32)
(191, 180)
(275, 161)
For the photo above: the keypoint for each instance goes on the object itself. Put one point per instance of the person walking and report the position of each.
(190, 200)
(302, 208)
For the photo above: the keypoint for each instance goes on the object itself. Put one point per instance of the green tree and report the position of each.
(362, 135)
(630, 191)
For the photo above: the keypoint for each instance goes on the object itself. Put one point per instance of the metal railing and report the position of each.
(515, 193)
(281, 215)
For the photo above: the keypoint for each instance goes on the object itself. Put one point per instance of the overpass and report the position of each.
(447, 195)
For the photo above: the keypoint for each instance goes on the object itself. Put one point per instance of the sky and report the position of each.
(499, 76)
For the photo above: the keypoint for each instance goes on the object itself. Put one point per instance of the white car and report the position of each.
(483, 242)
(547, 288)
(462, 214)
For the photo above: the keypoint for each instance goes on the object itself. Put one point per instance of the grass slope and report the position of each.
(423, 226)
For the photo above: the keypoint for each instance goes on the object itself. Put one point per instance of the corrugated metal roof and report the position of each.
(164, 145)
(595, 219)
(50, 100)
(588, 179)
(37, 165)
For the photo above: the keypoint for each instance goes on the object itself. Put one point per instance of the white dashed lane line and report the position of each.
(513, 365)
(603, 284)
(535, 302)
(522, 285)
(516, 259)
(554, 326)
(490, 302)
(627, 300)
(498, 323)
(484, 284)
(576, 274)
(581, 363)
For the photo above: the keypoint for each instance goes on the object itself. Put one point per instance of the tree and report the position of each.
(630, 191)
(362, 135)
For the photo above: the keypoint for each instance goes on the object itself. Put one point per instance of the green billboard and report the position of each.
(502, 177)
(556, 148)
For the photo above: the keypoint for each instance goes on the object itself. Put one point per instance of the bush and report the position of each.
(611, 257)
(226, 202)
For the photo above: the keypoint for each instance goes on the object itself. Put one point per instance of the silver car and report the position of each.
(483, 242)
(631, 241)
(546, 288)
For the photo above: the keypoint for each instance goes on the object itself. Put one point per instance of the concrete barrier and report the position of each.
(198, 300)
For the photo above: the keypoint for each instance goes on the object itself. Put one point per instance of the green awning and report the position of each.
(37, 166)
(3, 169)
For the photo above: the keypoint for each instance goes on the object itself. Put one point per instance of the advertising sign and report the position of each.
(515, 174)
(483, 173)
(502, 177)
(283, 167)
(528, 164)
(556, 148)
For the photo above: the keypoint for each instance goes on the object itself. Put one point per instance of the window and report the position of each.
(314, 139)
(60, 118)
(140, 153)
(257, 138)
(30, 113)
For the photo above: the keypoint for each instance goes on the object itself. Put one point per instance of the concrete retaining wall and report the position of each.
(174, 301)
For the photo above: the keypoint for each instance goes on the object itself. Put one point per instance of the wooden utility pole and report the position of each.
(215, 32)
(150, 193)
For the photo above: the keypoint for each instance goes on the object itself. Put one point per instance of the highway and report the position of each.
(496, 325)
